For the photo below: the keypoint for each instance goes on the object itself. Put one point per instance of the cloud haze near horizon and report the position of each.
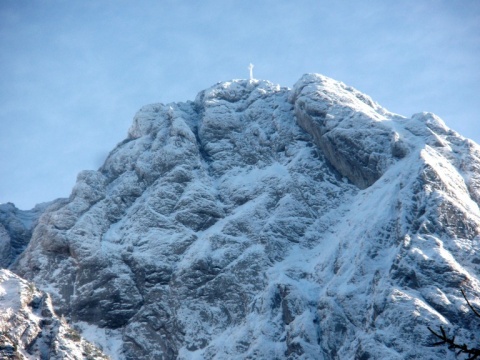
(74, 73)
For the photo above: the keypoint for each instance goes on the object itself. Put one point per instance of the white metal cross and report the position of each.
(251, 71)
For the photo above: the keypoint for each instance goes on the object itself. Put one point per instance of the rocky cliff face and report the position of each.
(260, 222)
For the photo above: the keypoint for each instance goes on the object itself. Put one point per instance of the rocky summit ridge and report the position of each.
(262, 222)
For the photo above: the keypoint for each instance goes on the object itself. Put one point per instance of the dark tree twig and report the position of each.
(473, 353)
(468, 303)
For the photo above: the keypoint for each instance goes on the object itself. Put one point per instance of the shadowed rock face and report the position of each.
(262, 222)
(16, 228)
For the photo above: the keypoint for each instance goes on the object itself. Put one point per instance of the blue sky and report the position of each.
(73, 73)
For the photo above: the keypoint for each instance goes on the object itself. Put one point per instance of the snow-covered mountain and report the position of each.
(261, 222)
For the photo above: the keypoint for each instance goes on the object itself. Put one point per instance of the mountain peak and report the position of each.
(265, 222)
(236, 90)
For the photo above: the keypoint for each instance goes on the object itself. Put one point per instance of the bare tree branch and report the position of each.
(473, 353)
(469, 305)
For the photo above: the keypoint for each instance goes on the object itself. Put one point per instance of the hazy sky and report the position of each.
(74, 73)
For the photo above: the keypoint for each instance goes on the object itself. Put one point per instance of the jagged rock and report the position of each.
(29, 328)
(259, 222)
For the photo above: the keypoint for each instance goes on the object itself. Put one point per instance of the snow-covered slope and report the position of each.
(261, 222)
(29, 328)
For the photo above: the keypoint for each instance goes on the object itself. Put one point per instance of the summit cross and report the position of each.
(250, 67)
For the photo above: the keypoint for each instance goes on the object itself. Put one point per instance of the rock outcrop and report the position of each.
(29, 328)
(349, 128)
